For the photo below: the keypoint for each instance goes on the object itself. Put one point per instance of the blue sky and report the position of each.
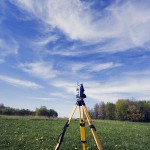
(46, 47)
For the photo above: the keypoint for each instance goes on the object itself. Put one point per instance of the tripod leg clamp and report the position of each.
(82, 124)
(83, 141)
(92, 126)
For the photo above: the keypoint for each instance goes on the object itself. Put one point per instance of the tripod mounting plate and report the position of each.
(80, 102)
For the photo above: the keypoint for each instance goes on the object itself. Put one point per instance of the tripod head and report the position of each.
(80, 94)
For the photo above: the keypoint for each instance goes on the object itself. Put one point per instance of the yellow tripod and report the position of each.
(82, 112)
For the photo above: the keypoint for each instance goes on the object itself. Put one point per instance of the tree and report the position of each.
(52, 113)
(8, 111)
(121, 109)
(124, 109)
(91, 112)
(42, 111)
(110, 111)
(96, 111)
(134, 113)
(2, 105)
(102, 111)
(145, 110)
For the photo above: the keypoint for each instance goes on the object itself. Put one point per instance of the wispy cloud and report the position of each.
(45, 40)
(2, 11)
(42, 98)
(123, 88)
(102, 66)
(46, 70)
(78, 66)
(58, 95)
(8, 46)
(63, 52)
(142, 73)
(1, 61)
(68, 19)
(93, 66)
(43, 70)
(76, 20)
(19, 83)
(67, 85)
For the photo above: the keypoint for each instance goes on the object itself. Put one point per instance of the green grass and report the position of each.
(27, 133)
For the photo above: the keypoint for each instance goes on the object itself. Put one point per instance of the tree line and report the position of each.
(42, 111)
(123, 109)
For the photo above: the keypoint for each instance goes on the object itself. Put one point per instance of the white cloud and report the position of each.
(68, 86)
(58, 95)
(139, 73)
(1, 61)
(2, 11)
(125, 25)
(42, 70)
(68, 16)
(46, 40)
(63, 52)
(121, 88)
(102, 66)
(41, 98)
(78, 66)
(73, 71)
(19, 83)
(93, 66)
(133, 20)
(8, 47)
(111, 91)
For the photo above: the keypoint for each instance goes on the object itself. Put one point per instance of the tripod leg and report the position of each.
(82, 129)
(61, 136)
(93, 129)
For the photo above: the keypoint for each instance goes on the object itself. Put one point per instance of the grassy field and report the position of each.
(25, 133)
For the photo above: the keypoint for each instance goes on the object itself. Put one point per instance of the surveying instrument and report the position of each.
(82, 112)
